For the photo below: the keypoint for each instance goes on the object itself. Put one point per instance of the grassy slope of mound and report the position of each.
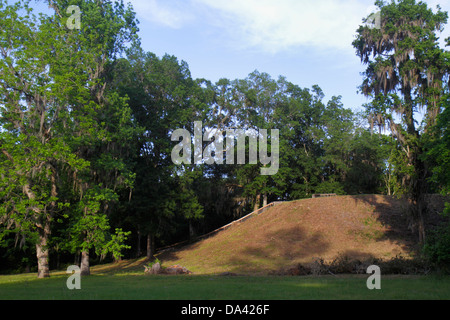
(301, 231)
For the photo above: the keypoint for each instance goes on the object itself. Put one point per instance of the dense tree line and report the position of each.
(87, 117)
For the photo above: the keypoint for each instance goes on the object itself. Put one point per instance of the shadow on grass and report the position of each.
(279, 248)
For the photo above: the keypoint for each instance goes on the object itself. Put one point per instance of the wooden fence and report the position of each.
(324, 195)
(251, 215)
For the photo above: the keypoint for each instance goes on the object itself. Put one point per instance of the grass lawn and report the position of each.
(140, 287)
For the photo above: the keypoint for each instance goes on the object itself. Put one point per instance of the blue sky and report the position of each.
(308, 42)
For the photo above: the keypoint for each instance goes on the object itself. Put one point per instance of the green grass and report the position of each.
(139, 287)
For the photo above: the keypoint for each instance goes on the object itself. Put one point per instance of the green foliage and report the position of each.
(437, 246)
(58, 120)
(330, 187)
(116, 245)
(403, 73)
(152, 263)
(87, 116)
(438, 149)
(406, 71)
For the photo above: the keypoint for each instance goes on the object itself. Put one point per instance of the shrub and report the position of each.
(344, 265)
(437, 246)
(152, 263)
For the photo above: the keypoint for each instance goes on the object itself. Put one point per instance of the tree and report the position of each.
(163, 97)
(257, 99)
(405, 72)
(369, 168)
(301, 143)
(102, 129)
(437, 246)
(33, 155)
(51, 97)
(438, 151)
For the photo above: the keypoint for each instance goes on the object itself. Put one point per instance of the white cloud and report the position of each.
(269, 26)
(173, 14)
(274, 25)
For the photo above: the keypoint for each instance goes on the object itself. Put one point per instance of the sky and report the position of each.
(308, 42)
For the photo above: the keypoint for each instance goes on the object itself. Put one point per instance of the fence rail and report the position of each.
(254, 213)
(323, 195)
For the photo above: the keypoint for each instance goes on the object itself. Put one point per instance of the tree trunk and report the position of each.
(191, 230)
(43, 225)
(85, 269)
(58, 261)
(421, 211)
(422, 233)
(419, 189)
(138, 244)
(418, 213)
(150, 246)
(265, 200)
(42, 256)
(258, 199)
(76, 258)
